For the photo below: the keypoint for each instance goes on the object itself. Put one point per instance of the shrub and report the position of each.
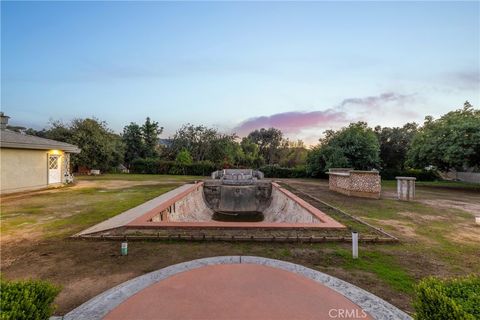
(421, 175)
(149, 165)
(29, 299)
(201, 168)
(275, 171)
(163, 167)
(449, 299)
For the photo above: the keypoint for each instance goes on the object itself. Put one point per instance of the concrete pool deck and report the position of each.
(236, 287)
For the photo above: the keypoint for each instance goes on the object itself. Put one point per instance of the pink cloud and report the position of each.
(291, 122)
(349, 110)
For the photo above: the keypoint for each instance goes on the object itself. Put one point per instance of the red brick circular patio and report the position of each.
(237, 291)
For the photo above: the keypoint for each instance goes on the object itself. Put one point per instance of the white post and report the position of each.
(355, 244)
(124, 248)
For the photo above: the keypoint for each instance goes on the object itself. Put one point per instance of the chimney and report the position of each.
(3, 121)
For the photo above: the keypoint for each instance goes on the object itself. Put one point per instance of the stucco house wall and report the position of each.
(23, 169)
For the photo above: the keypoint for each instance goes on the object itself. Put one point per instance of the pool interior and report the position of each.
(260, 202)
(212, 204)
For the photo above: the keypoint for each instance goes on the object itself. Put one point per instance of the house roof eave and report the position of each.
(15, 145)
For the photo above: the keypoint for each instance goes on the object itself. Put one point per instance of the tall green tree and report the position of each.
(268, 141)
(394, 144)
(355, 146)
(133, 139)
(205, 144)
(292, 153)
(100, 147)
(224, 151)
(195, 139)
(150, 132)
(59, 131)
(250, 154)
(452, 141)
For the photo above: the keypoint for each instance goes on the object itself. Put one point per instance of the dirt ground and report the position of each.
(437, 238)
(452, 210)
(35, 242)
(87, 268)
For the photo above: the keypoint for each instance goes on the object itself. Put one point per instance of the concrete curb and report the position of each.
(101, 305)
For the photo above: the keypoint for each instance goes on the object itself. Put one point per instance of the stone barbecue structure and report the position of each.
(355, 183)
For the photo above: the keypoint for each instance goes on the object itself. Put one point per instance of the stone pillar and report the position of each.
(405, 188)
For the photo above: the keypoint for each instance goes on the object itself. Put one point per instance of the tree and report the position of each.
(118, 151)
(59, 131)
(453, 141)
(133, 139)
(268, 141)
(224, 151)
(195, 139)
(29, 131)
(150, 132)
(205, 143)
(183, 158)
(100, 147)
(315, 163)
(250, 155)
(39, 133)
(394, 144)
(355, 146)
(292, 153)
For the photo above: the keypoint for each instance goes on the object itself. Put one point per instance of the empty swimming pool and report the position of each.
(230, 199)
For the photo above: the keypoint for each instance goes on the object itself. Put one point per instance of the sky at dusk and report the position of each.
(302, 67)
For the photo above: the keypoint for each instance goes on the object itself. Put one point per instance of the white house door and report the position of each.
(54, 169)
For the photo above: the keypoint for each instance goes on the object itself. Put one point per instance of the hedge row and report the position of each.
(450, 299)
(29, 299)
(421, 175)
(205, 168)
(275, 171)
(156, 166)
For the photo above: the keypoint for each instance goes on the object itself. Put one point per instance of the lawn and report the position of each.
(437, 232)
(65, 211)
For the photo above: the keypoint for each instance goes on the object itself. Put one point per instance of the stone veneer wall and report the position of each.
(356, 183)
